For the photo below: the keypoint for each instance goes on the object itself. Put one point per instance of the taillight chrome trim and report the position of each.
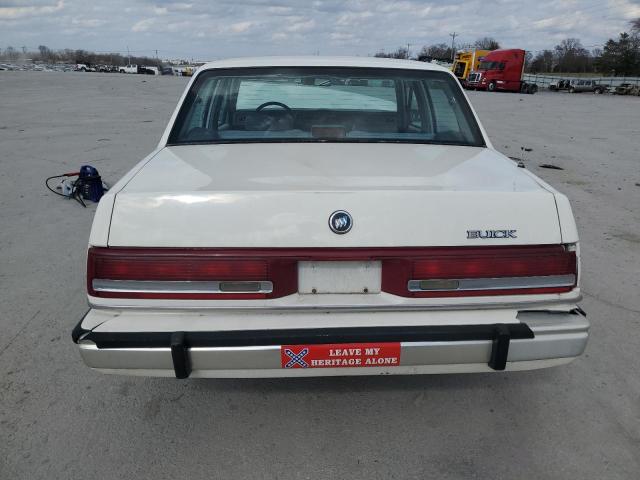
(500, 283)
(187, 278)
(161, 286)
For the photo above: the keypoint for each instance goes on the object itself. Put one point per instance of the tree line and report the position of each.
(617, 57)
(439, 51)
(46, 55)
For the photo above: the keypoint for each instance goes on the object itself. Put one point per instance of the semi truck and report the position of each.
(501, 70)
(466, 61)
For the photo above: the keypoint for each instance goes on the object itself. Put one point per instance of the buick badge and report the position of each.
(340, 222)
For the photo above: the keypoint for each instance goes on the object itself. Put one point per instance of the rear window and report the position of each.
(325, 104)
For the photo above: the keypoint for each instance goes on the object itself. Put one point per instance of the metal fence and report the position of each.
(545, 80)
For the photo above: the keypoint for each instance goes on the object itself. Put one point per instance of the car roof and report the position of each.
(317, 61)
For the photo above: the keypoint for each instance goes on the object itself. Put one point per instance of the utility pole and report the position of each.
(128, 57)
(408, 51)
(453, 42)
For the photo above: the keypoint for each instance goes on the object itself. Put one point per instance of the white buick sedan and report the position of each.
(329, 216)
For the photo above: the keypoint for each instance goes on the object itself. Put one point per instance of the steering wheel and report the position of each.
(273, 104)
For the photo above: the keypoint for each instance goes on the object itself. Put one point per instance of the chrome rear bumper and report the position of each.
(541, 339)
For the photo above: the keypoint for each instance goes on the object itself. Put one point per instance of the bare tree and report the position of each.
(11, 53)
(440, 51)
(487, 43)
(45, 53)
(543, 62)
(401, 53)
(571, 56)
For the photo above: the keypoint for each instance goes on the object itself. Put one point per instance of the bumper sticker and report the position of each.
(341, 355)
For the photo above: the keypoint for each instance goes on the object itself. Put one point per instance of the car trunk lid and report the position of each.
(282, 195)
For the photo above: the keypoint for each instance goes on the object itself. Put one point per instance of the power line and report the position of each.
(453, 42)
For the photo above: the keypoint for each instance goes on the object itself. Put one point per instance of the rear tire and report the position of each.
(572, 90)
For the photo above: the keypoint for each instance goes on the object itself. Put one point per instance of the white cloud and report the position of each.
(353, 18)
(240, 27)
(279, 10)
(180, 6)
(628, 8)
(88, 22)
(143, 25)
(207, 29)
(279, 37)
(301, 26)
(32, 9)
(337, 36)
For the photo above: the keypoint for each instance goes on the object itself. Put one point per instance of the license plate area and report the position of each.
(339, 277)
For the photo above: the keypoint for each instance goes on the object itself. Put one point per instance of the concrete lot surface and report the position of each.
(59, 420)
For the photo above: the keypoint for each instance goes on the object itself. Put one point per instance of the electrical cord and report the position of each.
(46, 182)
(75, 193)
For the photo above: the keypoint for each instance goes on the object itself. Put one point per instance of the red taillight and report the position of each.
(186, 274)
(175, 273)
(178, 268)
(455, 272)
(496, 264)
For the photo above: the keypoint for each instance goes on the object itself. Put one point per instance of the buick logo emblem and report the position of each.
(340, 222)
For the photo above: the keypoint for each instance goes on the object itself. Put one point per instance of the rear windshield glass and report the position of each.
(325, 104)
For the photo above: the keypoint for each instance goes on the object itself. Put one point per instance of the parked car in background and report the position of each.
(183, 70)
(148, 70)
(81, 67)
(329, 216)
(560, 84)
(128, 69)
(626, 89)
(585, 85)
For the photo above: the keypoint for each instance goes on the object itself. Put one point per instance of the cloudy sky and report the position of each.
(221, 28)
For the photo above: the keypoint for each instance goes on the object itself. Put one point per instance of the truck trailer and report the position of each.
(501, 70)
(467, 61)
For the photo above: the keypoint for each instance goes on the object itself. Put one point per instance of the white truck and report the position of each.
(128, 69)
(81, 67)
